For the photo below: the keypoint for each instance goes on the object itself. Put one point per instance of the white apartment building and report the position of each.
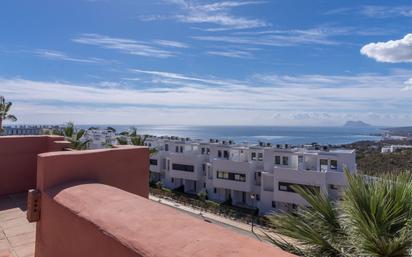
(99, 138)
(394, 148)
(258, 176)
(26, 130)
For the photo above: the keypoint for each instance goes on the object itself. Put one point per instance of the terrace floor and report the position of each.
(17, 235)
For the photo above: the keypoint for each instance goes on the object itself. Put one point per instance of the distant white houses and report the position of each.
(26, 130)
(99, 138)
(394, 148)
(259, 176)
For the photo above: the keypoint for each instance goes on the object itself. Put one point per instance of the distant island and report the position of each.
(356, 124)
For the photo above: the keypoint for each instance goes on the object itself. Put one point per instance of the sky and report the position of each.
(204, 62)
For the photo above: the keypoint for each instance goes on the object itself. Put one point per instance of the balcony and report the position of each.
(94, 203)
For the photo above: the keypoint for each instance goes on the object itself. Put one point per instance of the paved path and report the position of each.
(240, 227)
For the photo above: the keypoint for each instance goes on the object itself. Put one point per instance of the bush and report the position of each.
(180, 189)
(202, 196)
(159, 184)
(228, 201)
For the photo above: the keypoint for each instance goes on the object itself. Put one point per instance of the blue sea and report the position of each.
(254, 134)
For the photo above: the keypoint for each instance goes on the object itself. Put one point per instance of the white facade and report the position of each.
(259, 176)
(99, 138)
(394, 148)
(26, 130)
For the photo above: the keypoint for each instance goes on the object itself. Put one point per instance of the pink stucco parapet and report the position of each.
(126, 168)
(18, 157)
(143, 227)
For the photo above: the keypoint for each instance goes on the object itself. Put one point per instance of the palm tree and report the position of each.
(4, 112)
(374, 218)
(140, 140)
(135, 139)
(74, 137)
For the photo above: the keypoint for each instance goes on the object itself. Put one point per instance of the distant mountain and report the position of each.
(356, 124)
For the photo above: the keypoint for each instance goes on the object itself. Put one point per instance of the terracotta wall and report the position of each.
(96, 220)
(60, 231)
(18, 157)
(126, 168)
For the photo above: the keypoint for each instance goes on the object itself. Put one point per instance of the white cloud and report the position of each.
(408, 85)
(375, 11)
(224, 5)
(170, 98)
(57, 55)
(170, 43)
(217, 14)
(232, 54)
(393, 51)
(279, 38)
(127, 46)
(222, 19)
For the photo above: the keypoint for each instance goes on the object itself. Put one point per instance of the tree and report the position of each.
(374, 218)
(4, 112)
(122, 141)
(74, 137)
(140, 140)
(135, 139)
(111, 129)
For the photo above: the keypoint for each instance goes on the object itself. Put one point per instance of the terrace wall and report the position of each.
(18, 158)
(93, 203)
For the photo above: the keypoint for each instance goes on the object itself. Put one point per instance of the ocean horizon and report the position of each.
(254, 134)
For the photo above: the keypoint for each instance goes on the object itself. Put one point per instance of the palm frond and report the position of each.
(11, 117)
(80, 134)
(378, 215)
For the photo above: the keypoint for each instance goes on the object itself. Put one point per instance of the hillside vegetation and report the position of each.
(371, 161)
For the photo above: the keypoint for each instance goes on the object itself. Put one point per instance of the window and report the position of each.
(285, 160)
(257, 197)
(231, 176)
(277, 160)
(164, 163)
(260, 156)
(253, 156)
(215, 190)
(204, 169)
(177, 149)
(153, 162)
(173, 180)
(219, 154)
(166, 147)
(323, 165)
(226, 154)
(287, 187)
(222, 175)
(333, 164)
(207, 151)
(333, 187)
(204, 185)
(203, 150)
(168, 164)
(183, 167)
(258, 175)
(273, 204)
(181, 149)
